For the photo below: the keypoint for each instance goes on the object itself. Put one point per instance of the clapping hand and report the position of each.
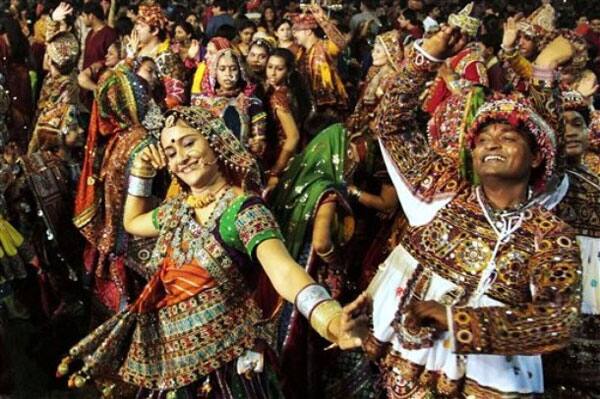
(153, 156)
(194, 49)
(587, 85)
(354, 324)
(511, 31)
(60, 13)
(445, 43)
(132, 45)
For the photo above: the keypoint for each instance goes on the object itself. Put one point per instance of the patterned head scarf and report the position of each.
(304, 21)
(212, 70)
(580, 58)
(220, 43)
(519, 114)
(121, 99)
(390, 41)
(152, 15)
(464, 21)
(239, 163)
(63, 49)
(539, 23)
(265, 40)
(573, 101)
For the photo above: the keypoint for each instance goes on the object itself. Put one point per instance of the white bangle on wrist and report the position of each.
(310, 297)
(417, 45)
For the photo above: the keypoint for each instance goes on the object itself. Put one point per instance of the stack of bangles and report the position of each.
(140, 181)
(316, 304)
(354, 192)
(545, 75)
(510, 52)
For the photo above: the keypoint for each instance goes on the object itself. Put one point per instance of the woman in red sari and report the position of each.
(121, 117)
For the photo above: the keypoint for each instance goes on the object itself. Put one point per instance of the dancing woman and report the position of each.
(196, 329)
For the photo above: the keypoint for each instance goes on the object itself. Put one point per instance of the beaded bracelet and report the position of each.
(139, 187)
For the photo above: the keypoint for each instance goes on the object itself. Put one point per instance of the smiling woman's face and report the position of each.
(502, 152)
(189, 156)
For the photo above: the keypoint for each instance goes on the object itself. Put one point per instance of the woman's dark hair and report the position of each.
(19, 46)
(227, 31)
(411, 16)
(224, 5)
(263, 22)
(123, 26)
(282, 21)
(186, 26)
(491, 38)
(49, 6)
(287, 56)
(244, 23)
(260, 42)
(162, 34)
(319, 121)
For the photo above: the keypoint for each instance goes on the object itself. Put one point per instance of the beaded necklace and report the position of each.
(190, 236)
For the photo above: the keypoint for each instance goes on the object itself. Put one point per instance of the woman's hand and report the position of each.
(556, 53)
(257, 146)
(272, 182)
(445, 43)
(60, 13)
(194, 49)
(132, 44)
(131, 15)
(150, 158)
(587, 85)
(511, 31)
(317, 11)
(446, 73)
(353, 327)
(422, 313)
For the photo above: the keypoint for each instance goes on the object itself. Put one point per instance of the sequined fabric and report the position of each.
(168, 345)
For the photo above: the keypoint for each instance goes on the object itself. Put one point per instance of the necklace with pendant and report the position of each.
(202, 200)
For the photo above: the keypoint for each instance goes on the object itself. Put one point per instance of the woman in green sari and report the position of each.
(310, 205)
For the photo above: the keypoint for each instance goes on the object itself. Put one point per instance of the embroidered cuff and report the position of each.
(466, 334)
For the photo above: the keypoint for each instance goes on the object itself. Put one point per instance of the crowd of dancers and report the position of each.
(230, 199)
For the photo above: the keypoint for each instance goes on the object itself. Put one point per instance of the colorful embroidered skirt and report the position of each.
(173, 347)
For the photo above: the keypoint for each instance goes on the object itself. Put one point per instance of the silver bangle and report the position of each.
(417, 46)
(309, 297)
(139, 187)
